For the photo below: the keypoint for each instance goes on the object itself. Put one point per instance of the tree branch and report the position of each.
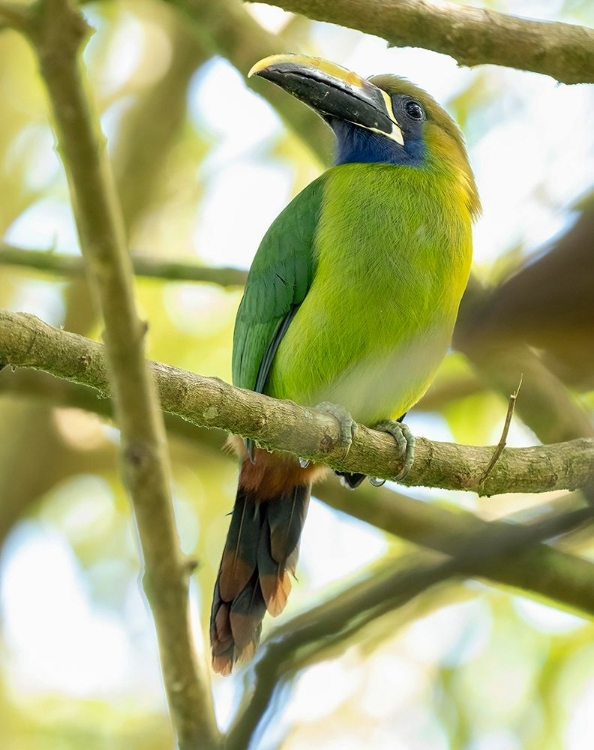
(39, 386)
(155, 122)
(546, 405)
(58, 32)
(14, 16)
(144, 265)
(150, 125)
(25, 341)
(208, 401)
(541, 571)
(226, 28)
(310, 635)
(472, 36)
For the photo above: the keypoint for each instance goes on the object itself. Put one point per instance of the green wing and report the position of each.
(278, 281)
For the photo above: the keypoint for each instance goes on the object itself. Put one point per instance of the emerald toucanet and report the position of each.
(351, 300)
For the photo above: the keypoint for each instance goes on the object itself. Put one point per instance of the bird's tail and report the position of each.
(260, 554)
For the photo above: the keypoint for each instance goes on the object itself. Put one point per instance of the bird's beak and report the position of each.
(332, 91)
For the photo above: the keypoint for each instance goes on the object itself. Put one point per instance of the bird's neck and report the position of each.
(355, 145)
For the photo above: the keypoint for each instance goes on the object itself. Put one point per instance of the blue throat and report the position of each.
(355, 144)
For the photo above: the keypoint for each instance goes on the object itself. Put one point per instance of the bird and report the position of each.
(349, 306)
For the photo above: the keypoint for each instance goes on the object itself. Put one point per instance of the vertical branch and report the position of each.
(58, 32)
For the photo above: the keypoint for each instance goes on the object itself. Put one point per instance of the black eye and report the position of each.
(414, 110)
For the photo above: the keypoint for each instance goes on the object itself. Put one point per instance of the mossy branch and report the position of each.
(25, 341)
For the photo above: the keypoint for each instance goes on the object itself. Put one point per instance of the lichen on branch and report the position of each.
(25, 341)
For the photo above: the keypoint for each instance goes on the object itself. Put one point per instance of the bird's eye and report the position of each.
(414, 110)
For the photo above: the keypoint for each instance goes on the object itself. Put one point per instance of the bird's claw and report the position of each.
(348, 426)
(405, 441)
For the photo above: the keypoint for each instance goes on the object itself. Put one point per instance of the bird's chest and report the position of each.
(388, 263)
(390, 268)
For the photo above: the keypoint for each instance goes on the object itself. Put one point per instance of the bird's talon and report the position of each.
(304, 462)
(376, 481)
(348, 426)
(405, 441)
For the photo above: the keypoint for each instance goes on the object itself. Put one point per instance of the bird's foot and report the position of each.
(348, 426)
(405, 441)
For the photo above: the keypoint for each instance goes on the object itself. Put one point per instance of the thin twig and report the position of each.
(504, 433)
(546, 406)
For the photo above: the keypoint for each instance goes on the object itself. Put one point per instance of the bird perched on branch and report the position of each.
(350, 301)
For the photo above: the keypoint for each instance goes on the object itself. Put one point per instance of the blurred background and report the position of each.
(203, 165)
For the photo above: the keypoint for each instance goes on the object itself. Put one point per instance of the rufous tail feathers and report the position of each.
(260, 554)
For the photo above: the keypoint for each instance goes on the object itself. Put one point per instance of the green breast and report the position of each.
(393, 248)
